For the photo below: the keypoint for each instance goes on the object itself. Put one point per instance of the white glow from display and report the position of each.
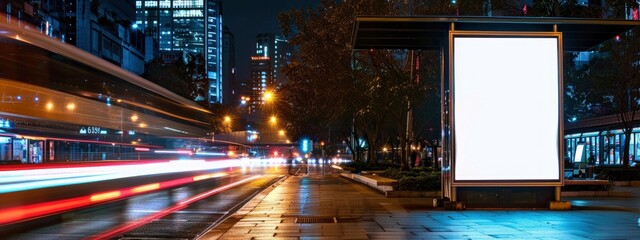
(506, 104)
(579, 151)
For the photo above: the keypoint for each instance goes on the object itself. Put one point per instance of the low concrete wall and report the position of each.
(373, 183)
(386, 186)
(383, 185)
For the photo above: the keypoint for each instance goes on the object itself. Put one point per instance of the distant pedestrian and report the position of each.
(413, 158)
(290, 160)
(423, 157)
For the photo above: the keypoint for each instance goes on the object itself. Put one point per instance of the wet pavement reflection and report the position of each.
(328, 206)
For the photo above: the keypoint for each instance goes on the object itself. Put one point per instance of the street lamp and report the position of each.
(273, 120)
(268, 96)
(227, 119)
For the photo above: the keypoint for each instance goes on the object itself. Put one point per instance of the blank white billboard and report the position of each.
(506, 108)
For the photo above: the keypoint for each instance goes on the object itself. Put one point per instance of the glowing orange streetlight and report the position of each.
(273, 120)
(268, 96)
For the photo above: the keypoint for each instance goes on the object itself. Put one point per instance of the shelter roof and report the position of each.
(416, 32)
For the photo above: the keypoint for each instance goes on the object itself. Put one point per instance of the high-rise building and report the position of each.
(102, 28)
(192, 26)
(41, 13)
(105, 29)
(229, 85)
(261, 77)
(272, 54)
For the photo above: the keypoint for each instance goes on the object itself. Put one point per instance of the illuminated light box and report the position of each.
(506, 107)
(579, 150)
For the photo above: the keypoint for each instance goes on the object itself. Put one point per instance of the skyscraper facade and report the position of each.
(229, 86)
(272, 54)
(191, 26)
(102, 28)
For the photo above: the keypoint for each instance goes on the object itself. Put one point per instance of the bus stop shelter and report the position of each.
(495, 70)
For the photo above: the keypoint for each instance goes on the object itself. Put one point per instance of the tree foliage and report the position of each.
(219, 124)
(185, 77)
(356, 94)
(614, 82)
(608, 84)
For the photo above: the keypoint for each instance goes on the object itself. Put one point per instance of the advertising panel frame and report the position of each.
(451, 95)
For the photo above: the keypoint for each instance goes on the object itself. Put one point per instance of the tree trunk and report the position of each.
(346, 138)
(373, 153)
(627, 142)
(394, 153)
(404, 163)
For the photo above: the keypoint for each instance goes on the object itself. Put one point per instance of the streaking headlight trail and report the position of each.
(21, 180)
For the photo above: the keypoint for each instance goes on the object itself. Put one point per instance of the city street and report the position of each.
(180, 212)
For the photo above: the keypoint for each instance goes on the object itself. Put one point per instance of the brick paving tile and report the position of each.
(262, 231)
(239, 230)
(391, 235)
(264, 227)
(287, 234)
(260, 236)
(287, 231)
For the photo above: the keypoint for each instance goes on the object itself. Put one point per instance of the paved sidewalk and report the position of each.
(631, 204)
(304, 207)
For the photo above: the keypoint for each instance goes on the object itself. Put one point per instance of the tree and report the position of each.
(185, 77)
(564, 8)
(361, 94)
(225, 121)
(169, 76)
(614, 77)
(323, 87)
(576, 105)
(195, 75)
(619, 9)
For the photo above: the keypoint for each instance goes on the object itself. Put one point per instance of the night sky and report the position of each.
(248, 18)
